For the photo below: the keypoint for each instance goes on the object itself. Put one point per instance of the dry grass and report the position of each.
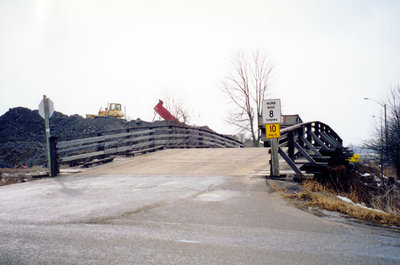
(315, 194)
(314, 186)
(10, 176)
(20, 170)
(332, 203)
(388, 202)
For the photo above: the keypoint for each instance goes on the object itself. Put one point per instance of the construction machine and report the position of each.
(112, 110)
(163, 112)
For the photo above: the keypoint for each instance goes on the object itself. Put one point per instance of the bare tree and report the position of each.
(392, 145)
(387, 140)
(246, 87)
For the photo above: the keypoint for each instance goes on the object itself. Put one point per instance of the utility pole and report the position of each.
(386, 129)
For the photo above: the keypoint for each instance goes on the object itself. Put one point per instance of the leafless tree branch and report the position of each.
(246, 87)
(387, 137)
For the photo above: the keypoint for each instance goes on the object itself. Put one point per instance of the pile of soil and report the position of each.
(22, 133)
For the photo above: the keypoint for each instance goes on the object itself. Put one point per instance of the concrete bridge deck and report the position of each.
(184, 206)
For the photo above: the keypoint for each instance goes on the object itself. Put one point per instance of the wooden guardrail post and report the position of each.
(274, 157)
(54, 169)
(101, 146)
(200, 141)
(309, 136)
(291, 145)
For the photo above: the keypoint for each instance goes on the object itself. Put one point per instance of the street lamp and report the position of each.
(386, 131)
(381, 132)
(384, 108)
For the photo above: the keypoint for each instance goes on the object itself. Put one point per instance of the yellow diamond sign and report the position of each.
(272, 130)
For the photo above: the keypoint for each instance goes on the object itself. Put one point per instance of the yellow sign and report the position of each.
(354, 158)
(272, 130)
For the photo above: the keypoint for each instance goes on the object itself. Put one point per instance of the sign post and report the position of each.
(46, 110)
(271, 116)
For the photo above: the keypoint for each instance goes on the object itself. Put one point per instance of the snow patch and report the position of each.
(345, 199)
(357, 204)
(377, 179)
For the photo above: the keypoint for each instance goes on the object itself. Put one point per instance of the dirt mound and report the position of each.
(22, 137)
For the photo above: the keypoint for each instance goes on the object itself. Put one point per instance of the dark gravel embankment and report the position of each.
(22, 137)
(22, 134)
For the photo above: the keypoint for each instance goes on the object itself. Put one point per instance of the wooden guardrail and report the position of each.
(311, 147)
(130, 141)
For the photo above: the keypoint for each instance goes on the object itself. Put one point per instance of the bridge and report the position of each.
(307, 148)
(175, 206)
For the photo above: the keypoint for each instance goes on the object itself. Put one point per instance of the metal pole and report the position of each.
(386, 128)
(382, 144)
(47, 128)
(386, 134)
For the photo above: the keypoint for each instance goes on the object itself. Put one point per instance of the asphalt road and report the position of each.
(209, 206)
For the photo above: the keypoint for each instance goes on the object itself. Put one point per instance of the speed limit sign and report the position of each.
(271, 111)
(272, 130)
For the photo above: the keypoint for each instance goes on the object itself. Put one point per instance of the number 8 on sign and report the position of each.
(272, 130)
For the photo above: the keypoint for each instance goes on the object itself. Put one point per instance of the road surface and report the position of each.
(201, 206)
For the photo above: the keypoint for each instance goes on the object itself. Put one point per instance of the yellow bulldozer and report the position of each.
(112, 110)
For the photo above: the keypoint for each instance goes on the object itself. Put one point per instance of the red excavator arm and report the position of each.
(163, 112)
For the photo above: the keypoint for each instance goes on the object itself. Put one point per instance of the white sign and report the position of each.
(271, 111)
(41, 108)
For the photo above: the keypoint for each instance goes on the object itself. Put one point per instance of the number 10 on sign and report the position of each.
(272, 130)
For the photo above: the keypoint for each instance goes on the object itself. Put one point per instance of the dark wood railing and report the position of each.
(311, 147)
(133, 140)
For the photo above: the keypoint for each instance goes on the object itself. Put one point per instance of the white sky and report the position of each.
(328, 56)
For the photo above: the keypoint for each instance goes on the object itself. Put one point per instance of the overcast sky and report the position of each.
(327, 56)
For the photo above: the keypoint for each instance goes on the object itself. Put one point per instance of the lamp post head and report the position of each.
(377, 102)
